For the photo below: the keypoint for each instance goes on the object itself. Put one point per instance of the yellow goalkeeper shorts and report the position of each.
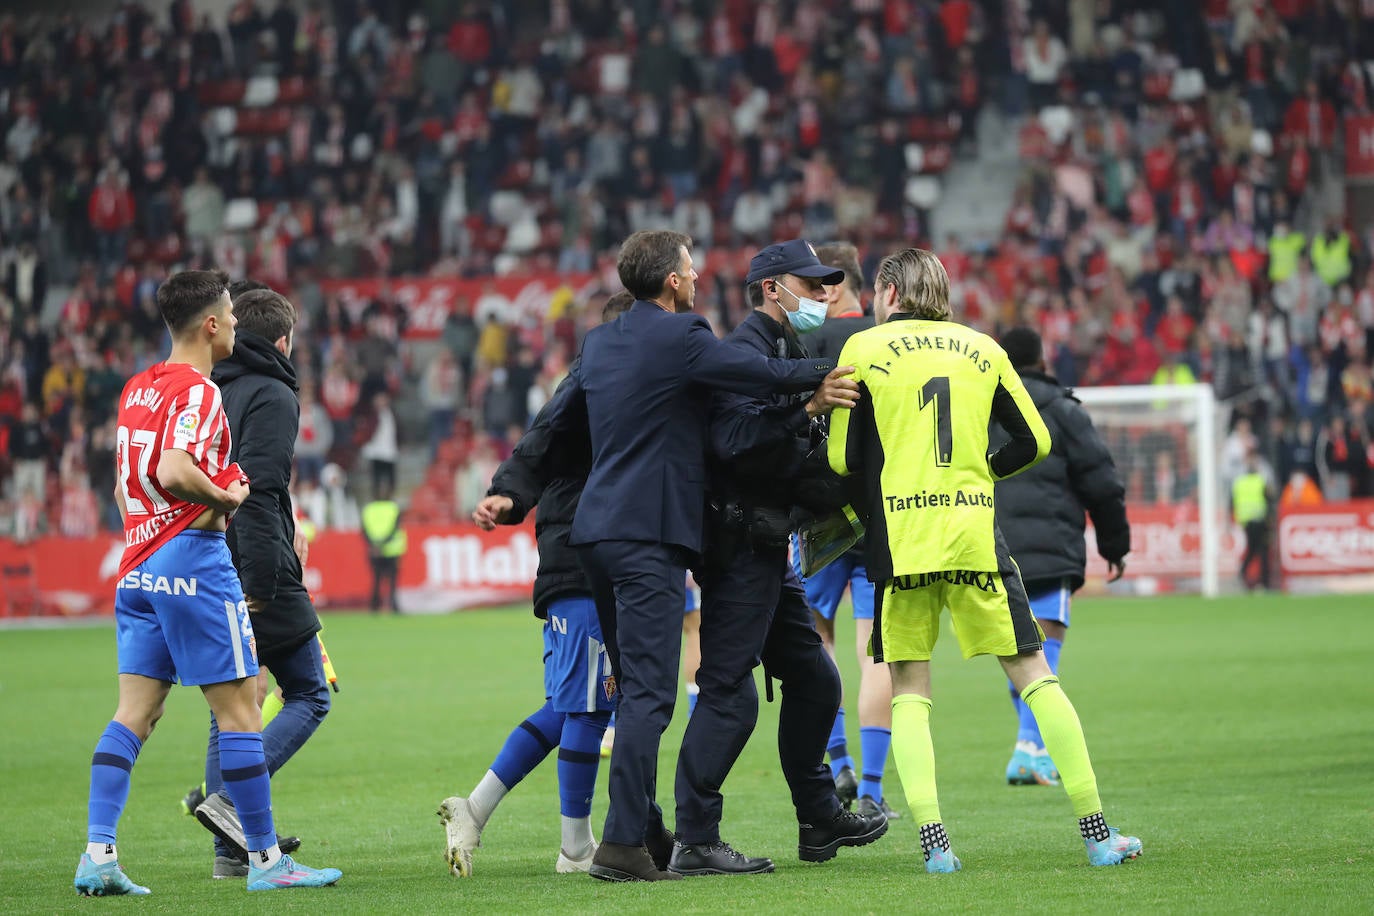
(989, 610)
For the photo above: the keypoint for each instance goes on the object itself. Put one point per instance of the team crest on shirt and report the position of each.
(609, 686)
(187, 423)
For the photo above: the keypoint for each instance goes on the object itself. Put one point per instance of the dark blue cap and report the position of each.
(797, 258)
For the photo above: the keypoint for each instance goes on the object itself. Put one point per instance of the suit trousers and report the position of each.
(640, 590)
(755, 610)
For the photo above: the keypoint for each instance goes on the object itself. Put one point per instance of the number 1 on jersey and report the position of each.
(936, 391)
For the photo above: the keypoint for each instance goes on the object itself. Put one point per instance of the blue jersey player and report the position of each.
(580, 690)
(180, 613)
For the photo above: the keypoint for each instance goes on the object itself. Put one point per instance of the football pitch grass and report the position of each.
(1235, 737)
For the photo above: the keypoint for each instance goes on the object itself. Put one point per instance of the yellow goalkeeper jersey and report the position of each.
(919, 438)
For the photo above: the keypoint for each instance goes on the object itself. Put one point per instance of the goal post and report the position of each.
(1166, 441)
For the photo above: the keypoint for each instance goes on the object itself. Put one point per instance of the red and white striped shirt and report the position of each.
(170, 405)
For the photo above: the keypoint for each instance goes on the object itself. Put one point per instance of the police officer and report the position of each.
(386, 544)
(753, 608)
(1041, 513)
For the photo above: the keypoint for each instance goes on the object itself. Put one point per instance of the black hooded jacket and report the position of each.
(549, 471)
(259, 388)
(1041, 511)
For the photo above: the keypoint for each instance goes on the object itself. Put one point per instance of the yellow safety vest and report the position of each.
(1283, 255)
(1248, 500)
(1331, 259)
(381, 520)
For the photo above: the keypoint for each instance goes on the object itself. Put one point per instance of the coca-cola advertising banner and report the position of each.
(448, 568)
(429, 301)
(1166, 549)
(1321, 544)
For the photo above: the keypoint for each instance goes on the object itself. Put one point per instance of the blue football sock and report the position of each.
(1028, 730)
(839, 753)
(244, 769)
(875, 743)
(693, 691)
(528, 744)
(111, 765)
(579, 754)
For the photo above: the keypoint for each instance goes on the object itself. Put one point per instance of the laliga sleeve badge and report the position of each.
(188, 421)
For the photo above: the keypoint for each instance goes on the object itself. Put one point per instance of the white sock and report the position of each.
(577, 837)
(265, 858)
(102, 853)
(486, 797)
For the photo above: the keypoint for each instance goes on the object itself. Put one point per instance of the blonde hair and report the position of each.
(921, 281)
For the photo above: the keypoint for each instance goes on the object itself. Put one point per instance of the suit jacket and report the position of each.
(641, 388)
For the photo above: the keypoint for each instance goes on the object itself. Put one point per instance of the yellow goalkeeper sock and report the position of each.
(270, 707)
(1063, 735)
(915, 756)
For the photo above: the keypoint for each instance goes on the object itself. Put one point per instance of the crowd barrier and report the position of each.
(1329, 547)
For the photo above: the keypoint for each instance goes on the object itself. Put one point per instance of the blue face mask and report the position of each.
(809, 315)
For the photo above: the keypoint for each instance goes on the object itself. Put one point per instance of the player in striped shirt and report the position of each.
(180, 614)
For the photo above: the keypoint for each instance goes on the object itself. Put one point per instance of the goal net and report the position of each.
(1166, 441)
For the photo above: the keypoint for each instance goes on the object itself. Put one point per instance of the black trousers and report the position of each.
(755, 611)
(1256, 548)
(385, 572)
(640, 590)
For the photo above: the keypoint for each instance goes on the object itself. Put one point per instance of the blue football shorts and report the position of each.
(180, 614)
(577, 668)
(1052, 605)
(692, 600)
(825, 589)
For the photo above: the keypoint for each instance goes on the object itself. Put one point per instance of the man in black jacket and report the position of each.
(258, 384)
(1041, 515)
(753, 609)
(550, 472)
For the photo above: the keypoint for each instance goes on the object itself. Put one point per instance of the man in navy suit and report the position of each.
(642, 388)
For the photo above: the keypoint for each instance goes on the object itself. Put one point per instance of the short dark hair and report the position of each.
(753, 294)
(617, 305)
(265, 312)
(183, 298)
(846, 257)
(647, 258)
(1023, 347)
(239, 287)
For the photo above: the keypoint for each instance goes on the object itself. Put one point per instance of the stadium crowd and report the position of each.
(1172, 222)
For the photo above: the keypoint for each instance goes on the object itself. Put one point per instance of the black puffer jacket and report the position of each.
(551, 473)
(1041, 511)
(259, 388)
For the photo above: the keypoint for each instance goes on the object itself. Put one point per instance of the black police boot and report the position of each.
(715, 859)
(846, 786)
(659, 840)
(614, 862)
(868, 806)
(818, 842)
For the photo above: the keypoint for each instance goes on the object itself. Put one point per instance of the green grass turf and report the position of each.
(1233, 736)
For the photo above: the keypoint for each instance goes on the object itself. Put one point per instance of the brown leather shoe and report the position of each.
(614, 862)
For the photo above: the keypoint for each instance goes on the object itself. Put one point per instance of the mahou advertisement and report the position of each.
(448, 568)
